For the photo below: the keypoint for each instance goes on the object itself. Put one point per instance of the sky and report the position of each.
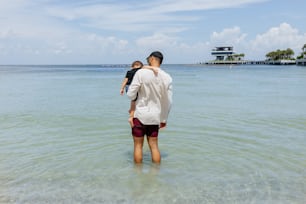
(116, 32)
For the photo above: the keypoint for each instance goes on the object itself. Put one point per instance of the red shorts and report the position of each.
(140, 130)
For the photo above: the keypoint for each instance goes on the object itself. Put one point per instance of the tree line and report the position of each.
(281, 55)
(287, 54)
(235, 57)
(303, 54)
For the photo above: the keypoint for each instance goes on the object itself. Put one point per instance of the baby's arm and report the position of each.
(154, 69)
(125, 80)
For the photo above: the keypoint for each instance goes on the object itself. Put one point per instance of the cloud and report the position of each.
(115, 31)
(34, 18)
(8, 33)
(157, 40)
(61, 48)
(176, 49)
(147, 15)
(191, 5)
(101, 44)
(9, 5)
(117, 17)
(282, 37)
(229, 37)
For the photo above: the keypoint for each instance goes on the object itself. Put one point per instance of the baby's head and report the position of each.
(137, 64)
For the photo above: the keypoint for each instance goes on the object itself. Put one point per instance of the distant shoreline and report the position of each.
(301, 62)
(254, 62)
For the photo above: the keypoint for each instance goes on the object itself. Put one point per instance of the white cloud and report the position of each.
(6, 5)
(191, 5)
(8, 33)
(34, 18)
(127, 16)
(103, 44)
(61, 48)
(97, 31)
(157, 40)
(116, 17)
(228, 37)
(282, 37)
(175, 49)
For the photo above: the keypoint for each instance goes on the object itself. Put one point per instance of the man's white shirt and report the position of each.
(154, 96)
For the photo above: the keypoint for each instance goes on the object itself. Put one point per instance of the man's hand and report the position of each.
(162, 125)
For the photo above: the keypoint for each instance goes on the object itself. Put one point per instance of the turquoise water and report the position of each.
(235, 135)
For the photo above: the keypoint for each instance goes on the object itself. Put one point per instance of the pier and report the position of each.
(301, 62)
(227, 56)
(235, 62)
(280, 62)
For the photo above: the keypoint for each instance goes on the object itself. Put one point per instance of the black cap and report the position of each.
(158, 55)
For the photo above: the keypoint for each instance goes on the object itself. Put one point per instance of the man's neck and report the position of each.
(155, 65)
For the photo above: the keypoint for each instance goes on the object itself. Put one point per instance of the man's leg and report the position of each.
(138, 144)
(153, 144)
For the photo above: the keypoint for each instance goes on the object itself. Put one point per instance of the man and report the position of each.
(154, 99)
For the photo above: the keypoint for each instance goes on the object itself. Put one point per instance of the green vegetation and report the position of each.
(237, 57)
(303, 52)
(281, 55)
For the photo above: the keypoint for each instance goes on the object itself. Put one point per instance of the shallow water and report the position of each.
(234, 136)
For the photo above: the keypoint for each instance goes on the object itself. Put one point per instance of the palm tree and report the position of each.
(304, 51)
(289, 53)
(280, 54)
(270, 55)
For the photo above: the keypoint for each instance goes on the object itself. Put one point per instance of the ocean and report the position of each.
(234, 135)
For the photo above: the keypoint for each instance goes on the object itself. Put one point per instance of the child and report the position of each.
(136, 65)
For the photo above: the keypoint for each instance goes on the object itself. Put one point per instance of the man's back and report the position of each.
(154, 96)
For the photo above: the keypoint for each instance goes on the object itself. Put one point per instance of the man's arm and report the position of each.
(166, 104)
